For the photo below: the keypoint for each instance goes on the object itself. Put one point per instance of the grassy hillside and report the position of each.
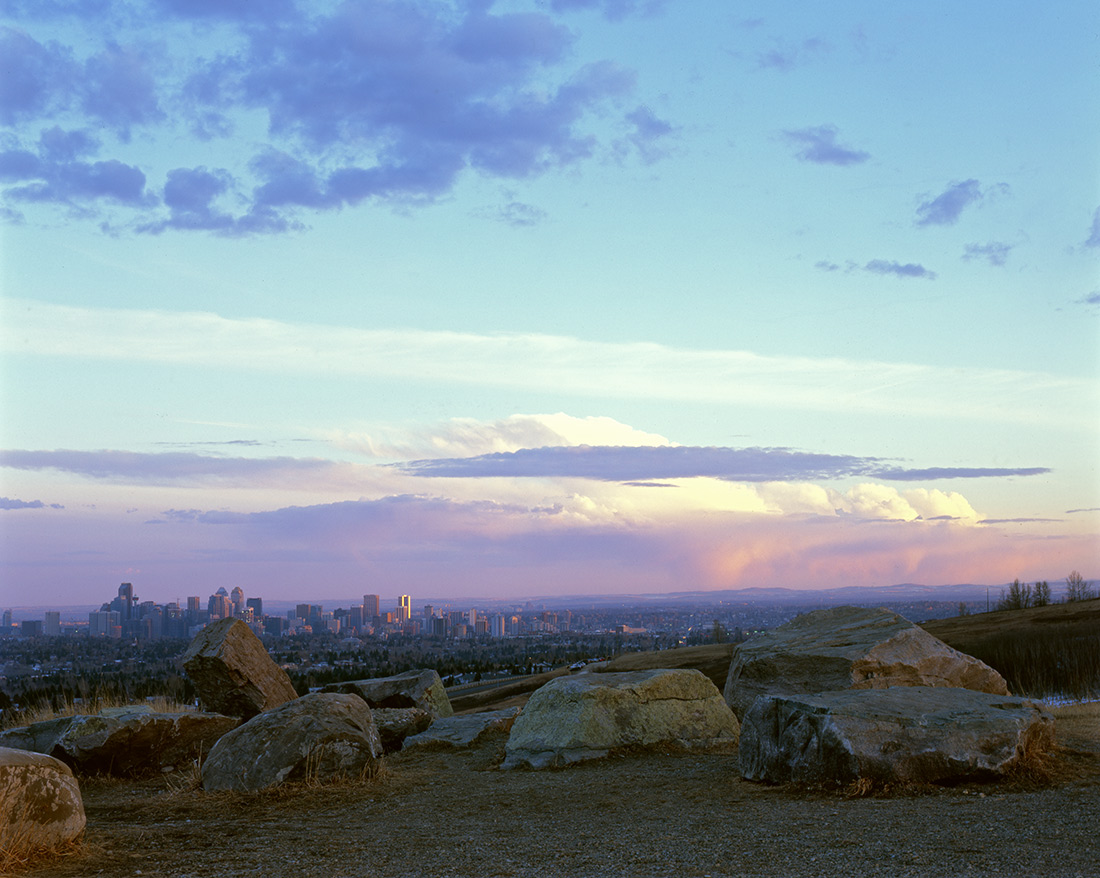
(1041, 651)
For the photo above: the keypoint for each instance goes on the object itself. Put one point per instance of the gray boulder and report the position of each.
(418, 688)
(124, 744)
(590, 715)
(318, 737)
(907, 734)
(457, 732)
(232, 671)
(395, 724)
(849, 648)
(40, 803)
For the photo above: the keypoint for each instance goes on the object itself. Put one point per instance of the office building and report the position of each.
(371, 607)
(404, 609)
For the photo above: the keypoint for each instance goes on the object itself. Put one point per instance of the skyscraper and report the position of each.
(404, 610)
(371, 606)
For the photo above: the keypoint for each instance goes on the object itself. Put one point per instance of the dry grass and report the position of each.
(18, 853)
(93, 705)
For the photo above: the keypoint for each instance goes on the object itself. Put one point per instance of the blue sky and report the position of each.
(473, 298)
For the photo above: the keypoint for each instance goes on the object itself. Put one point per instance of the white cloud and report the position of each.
(468, 437)
(546, 363)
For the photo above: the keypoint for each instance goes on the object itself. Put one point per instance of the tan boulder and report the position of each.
(906, 734)
(590, 715)
(849, 648)
(232, 671)
(40, 804)
(317, 737)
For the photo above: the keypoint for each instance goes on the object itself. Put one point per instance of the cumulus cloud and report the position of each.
(819, 145)
(899, 269)
(946, 208)
(365, 101)
(462, 437)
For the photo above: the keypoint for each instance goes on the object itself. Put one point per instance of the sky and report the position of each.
(466, 298)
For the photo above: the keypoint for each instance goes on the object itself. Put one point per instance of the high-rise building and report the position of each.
(52, 626)
(404, 609)
(429, 611)
(219, 605)
(257, 605)
(371, 606)
(101, 623)
(237, 597)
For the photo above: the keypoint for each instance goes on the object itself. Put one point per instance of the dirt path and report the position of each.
(445, 813)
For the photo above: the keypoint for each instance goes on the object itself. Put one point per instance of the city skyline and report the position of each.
(541, 297)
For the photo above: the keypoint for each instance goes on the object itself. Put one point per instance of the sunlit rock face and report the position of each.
(907, 734)
(591, 715)
(849, 648)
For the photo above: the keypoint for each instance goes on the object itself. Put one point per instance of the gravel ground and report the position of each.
(442, 813)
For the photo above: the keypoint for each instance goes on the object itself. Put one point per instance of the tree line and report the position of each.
(1021, 595)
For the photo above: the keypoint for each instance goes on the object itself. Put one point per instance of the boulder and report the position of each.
(849, 648)
(124, 744)
(40, 804)
(906, 734)
(419, 688)
(395, 724)
(232, 671)
(457, 732)
(590, 715)
(317, 737)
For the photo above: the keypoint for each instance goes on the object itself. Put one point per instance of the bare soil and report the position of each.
(446, 812)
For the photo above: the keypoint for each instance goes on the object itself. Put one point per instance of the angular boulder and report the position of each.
(457, 732)
(590, 715)
(906, 734)
(419, 688)
(40, 804)
(233, 673)
(124, 744)
(849, 648)
(317, 737)
(395, 724)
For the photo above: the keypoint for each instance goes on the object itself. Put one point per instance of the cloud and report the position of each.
(787, 57)
(649, 134)
(461, 437)
(945, 208)
(536, 362)
(1090, 299)
(898, 269)
(515, 214)
(611, 9)
(819, 145)
(1093, 240)
(12, 503)
(164, 467)
(365, 101)
(641, 464)
(994, 252)
(955, 472)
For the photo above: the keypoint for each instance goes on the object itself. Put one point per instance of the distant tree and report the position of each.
(1077, 588)
(1040, 595)
(964, 610)
(1018, 597)
(719, 632)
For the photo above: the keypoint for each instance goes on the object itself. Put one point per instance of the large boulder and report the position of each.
(318, 737)
(395, 724)
(849, 648)
(232, 671)
(419, 688)
(907, 734)
(468, 730)
(40, 804)
(590, 715)
(124, 744)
